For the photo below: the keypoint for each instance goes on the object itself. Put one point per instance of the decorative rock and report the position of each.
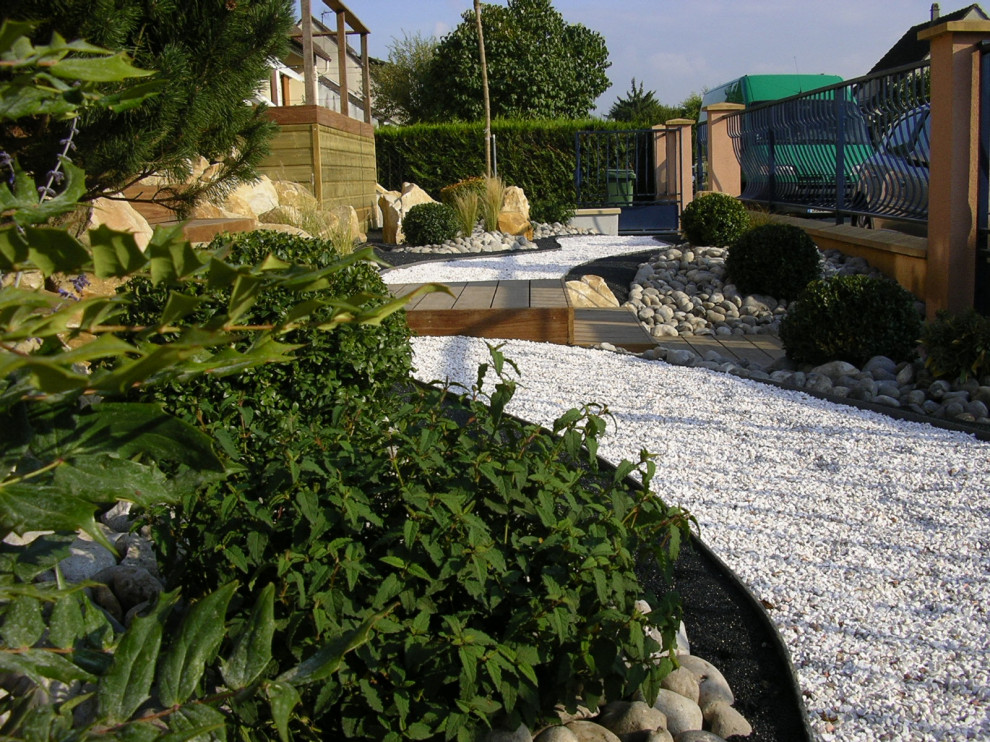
(724, 721)
(131, 585)
(835, 369)
(515, 201)
(522, 734)
(622, 717)
(86, 559)
(121, 216)
(683, 682)
(939, 389)
(117, 518)
(588, 731)
(252, 199)
(682, 714)
(512, 222)
(396, 206)
(591, 291)
(556, 734)
(696, 735)
(712, 685)
(678, 357)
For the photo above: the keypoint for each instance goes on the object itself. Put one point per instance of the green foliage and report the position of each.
(537, 156)
(493, 560)
(640, 107)
(430, 224)
(714, 219)
(539, 66)
(466, 206)
(851, 318)
(957, 346)
(209, 56)
(397, 85)
(774, 259)
(491, 202)
(69, 451)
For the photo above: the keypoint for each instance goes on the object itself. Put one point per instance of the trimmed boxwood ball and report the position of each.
(430, 224)
(714, 219)
(851, 318)
(774, 259)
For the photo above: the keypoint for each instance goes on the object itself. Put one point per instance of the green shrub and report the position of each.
(957, 346)
(430, 224)
(851, 318)
(714, 219)
(488, 564)
(774, 259)
(332, 368)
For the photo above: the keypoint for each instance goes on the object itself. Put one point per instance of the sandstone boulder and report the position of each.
(252, 199)
(120, 216)
(515, 200)
(591, 291)
(394, 208)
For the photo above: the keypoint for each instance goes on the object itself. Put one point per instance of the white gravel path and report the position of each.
(870, 537)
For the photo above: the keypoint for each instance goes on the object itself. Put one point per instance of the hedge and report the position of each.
(537, 156)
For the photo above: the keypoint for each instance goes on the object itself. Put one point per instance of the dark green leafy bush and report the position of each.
(714, 219)
(957, 346)
(352, 362)
(430, 224)
(488, 563)
(851, 318)
(774, 259)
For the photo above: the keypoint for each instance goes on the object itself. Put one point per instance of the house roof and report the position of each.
(909, 50)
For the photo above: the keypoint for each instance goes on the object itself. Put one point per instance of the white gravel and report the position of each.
(522, 266)
(869, 537)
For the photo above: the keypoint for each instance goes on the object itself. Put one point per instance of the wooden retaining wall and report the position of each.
(331, 154)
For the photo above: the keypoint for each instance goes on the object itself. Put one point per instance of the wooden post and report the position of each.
(953, 175)
(316, 157)
(679, 176)
(484, 88)
(309, 69)
(662, 167)
(366, 78)
(724, 174)
(345, 104)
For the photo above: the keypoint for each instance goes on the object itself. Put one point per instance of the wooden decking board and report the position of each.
(438, 300)
(477, 295)
(616, 326)
(511, 294)
(547, 293)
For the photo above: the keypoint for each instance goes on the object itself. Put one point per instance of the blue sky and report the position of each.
(676, 47)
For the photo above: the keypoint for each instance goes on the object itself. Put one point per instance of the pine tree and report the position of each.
(209, 55)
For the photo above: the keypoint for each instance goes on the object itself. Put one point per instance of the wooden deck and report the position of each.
(540, 311)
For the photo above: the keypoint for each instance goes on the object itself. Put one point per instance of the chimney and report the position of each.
(936, 12)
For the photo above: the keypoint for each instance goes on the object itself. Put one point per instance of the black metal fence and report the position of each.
(858, 149)
(616, 168)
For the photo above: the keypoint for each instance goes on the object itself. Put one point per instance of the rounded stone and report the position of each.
(724, 721)
(683, 682)
(712, 685)
(623, 717)
(556, 734)
(589, 731)
(682, 713)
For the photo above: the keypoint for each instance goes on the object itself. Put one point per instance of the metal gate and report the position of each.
(628, 169)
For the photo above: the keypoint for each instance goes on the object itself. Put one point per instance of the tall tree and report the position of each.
(639, 106)
(539, 66)
(210, 57)
(397, 85)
